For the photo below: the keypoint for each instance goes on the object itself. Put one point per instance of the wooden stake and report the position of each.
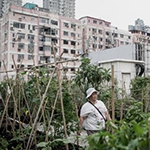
(113, 93)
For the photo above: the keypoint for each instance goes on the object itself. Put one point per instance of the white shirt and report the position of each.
(94, 120)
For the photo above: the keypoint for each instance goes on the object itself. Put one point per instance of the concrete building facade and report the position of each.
(141, 37)
(4, 4)
(61, 7)
(98, 35)
(28, 34)
(126, 64)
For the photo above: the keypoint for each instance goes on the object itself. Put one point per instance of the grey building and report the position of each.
(1, 6)
(61, 7)
(4, 3)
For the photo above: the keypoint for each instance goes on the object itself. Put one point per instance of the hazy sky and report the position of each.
(120, 13)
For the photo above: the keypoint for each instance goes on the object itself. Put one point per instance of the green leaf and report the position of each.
(42, 144)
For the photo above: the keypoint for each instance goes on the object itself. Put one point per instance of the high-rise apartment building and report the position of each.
(61, 7)
(1, 6)
(4, 4)
(27, 36)
(98, 35)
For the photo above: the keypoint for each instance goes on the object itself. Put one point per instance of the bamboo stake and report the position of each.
(113, 93)
(60, 93)
(37, 115)
(53, 108)
(62, 106)
(149, 131)
(40, 65)
(15, 103)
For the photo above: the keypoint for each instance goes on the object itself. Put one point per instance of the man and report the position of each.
(90, 118)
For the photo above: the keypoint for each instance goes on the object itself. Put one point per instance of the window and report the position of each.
(20, 56)
(47, 48)
(47, 39)
(115, 35)
(32, 18)
(22, 26)
(13, 44)
(16, 25)
(33, 28)
(30, 37)
(73, 43)
(73, 51)
(40, 48)
(100, 39)
(73, 34)
(100, 31)
(106, 24)
(65, 42)
(95, 21)
(28, 27)
(121, 35)
(94, 46)
(100, 22)
(107, 33)
(21, 35)
(121, 42)
(65, 33)
(23, 16)
(41, 38)
(53, 22)
(19, 25)
(44, 20)
(66, 25)
(20, 45)
(42, 58)
(30, 48)
(73, 25)
(30, 57)
(65, 50)
(94, 30)
(72, 69)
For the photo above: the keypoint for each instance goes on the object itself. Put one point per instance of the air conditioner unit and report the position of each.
(20, 19)
(19, 39)
(19, 60)
(14, 39)
(30, 51)
(19, 50)
(11, 28)
(40, 62)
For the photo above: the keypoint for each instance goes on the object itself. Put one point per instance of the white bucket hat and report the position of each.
(90, 91)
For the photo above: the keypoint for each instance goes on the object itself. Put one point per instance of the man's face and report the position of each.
(94, 96)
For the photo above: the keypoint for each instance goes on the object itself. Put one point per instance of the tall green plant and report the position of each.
(90, 75)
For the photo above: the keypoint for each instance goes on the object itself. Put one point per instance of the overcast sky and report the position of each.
(120, 13)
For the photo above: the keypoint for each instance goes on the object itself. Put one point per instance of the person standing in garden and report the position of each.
(93, 114)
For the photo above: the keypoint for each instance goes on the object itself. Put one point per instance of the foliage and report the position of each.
(27, 96)
(138, 86)
(90, 75)
(132, 133)
(140, 89)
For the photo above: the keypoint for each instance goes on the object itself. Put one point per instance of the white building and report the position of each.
(61, 7)
(126, 64)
